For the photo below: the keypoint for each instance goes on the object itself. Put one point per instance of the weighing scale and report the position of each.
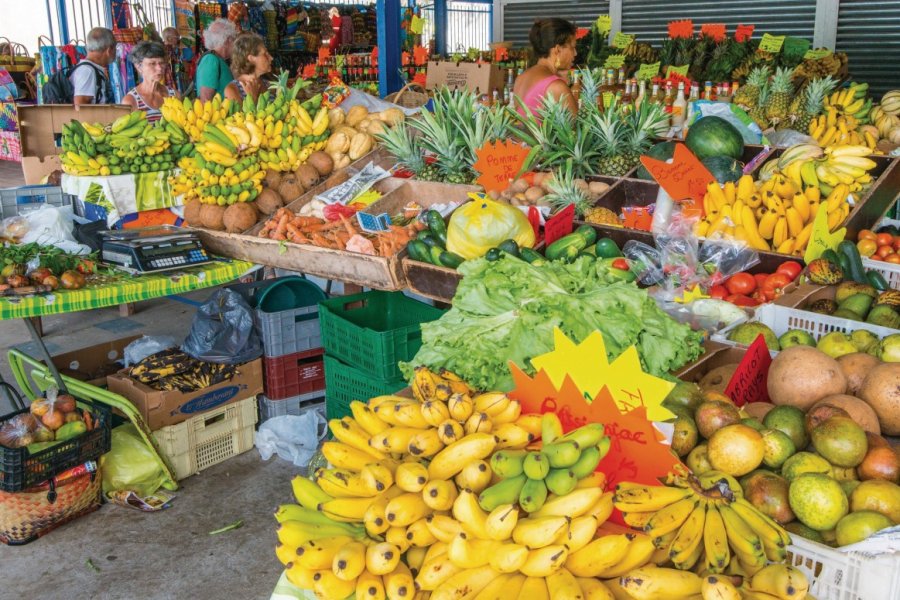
(152, 249)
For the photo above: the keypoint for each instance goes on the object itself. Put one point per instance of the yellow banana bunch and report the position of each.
(702, 518)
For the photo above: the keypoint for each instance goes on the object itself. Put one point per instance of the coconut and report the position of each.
(801, 376)
(307, 176)
(321, 162)
(212, 216)
(881, 390)
(239, 217)
(268, 201)
(290, 189)
(272, 180)
(192, 213)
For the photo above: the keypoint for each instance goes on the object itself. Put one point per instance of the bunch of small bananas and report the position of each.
(851, 101)
(193, 117)
(212, 183)
(704, 524)
(773, 582)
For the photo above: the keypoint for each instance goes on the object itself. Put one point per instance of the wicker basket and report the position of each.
(14, 57)
(408, 97)
(26, 516)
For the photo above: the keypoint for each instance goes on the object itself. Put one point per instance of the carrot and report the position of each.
(282, 224)
(323, 226)
(294, 234)
(304, 222)
(278, 237)
(320, 240)
(349, 226)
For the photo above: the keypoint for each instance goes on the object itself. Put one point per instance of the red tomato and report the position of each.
(892, 258)
(762, 296)
(897, 243)
(718, 292)
(776, 283)
(884, 251)
(742, 283)
(760, 279)
(742, 300)
(866, 234)
(790, 268)
(885, 239)
(621, 264)
(866, 247)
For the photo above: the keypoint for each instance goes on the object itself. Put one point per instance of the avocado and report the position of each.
(849, 288)
(825, 306)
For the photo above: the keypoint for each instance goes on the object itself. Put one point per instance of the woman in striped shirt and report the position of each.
(151, 62)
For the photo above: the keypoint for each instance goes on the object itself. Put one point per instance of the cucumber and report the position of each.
(435, 252)
(588, 233)
(857, 272)
(451, 260)
(436, 225)
(529, 255)
(428, 239)
(510, 247)
(832, 257)
(494, 254)
(418, 250)
(877, 281)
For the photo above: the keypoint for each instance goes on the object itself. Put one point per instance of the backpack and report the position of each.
(59, 90)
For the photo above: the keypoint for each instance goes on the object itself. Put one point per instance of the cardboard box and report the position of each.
(484, 77)
(160, 409)
(94, 363)
(40, 129)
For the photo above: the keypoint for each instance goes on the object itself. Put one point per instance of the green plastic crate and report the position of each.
(344, 384)
(374, 331)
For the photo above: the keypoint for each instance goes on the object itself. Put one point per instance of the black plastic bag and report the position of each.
(223, 331)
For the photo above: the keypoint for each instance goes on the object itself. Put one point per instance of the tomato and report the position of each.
(897, 243)
(790, 268)
(776, 283)
(892, 258)
(885, 239)
(883, 251)
(621, 264)
(742, 300)
(866, 247)
(760, 279)
(718, 292)
(866, 234)
(86, 266)
(742, 283)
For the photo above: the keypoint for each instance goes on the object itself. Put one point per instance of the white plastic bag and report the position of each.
(141, 348)
(51, 226)
(292, 438)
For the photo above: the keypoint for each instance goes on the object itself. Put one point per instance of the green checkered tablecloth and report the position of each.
(122, 288)
(285, 590)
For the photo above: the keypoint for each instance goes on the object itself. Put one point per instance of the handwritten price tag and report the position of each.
(604, 24)
(817, 54)
(622, 40)
(682, 70)
(417, 25)
(647, 72)
(748, 384)
(498, 163)
(684, 178)
(559, 225)
(771, 43)
(614, 61)
(324, 53)
(821, 238)
(608, 98)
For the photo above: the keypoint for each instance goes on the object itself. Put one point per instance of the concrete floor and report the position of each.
(164, 555)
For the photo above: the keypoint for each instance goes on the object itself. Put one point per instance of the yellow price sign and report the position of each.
(821, 238)
(817, 54)
(771, 43)
(622, 40)
(604, 24)
(647, 71)
(614, 61)
(682, 70)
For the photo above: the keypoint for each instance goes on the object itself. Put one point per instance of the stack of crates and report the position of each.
(365, 336)
(288, 322)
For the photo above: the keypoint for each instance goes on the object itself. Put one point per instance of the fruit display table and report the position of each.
(116, 196)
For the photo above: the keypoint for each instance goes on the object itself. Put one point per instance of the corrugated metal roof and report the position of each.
(518, 17)
(869, 32)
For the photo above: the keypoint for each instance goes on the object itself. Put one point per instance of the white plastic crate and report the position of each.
(296, 405)
(209, 438)
(889, 271)
(782, 319)
(835, 575)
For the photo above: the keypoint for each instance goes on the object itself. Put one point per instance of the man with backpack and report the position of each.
(87, 82)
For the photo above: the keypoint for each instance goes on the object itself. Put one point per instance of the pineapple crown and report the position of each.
(815, 92)
(564, 190)
(400, 141)
(611, 130)
(758, 76)
(781, 81)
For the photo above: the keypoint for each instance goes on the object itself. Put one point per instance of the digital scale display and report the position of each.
(152, 249)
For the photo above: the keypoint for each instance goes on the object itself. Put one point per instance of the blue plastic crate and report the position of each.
(24, 199)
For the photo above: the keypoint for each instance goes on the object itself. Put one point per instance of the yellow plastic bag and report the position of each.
(482, 224)
(130, 465)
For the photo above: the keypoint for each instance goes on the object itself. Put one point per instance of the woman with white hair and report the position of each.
(90, 81)
(150, 61)
(213, 73)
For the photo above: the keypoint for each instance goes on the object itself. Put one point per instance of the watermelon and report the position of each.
(724, 168)
(660, 151)
(714, 136)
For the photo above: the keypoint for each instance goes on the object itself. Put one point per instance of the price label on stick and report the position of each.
(622, 40)
(682, 70)
(750, 381)
(604, 24)
(647, 72)
(817, 54)
(771, 43)
(614, 61)
(559, 225)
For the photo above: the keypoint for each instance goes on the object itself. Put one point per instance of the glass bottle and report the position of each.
(654, 94)
(642, 92)
(679, 105)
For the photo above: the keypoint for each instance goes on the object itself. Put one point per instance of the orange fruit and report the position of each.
(866, 234)
(866, 247)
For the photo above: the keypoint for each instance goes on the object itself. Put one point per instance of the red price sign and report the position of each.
(559, 225)
(749, 382)
(501, 54)
(681, 29)
(309, 72)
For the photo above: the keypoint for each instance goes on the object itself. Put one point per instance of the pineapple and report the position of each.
(622, 139)
(748, 96)
(758, 111)
(780, 99)
(442, 137)
(559, 135)
(401, 142)
(811, 102)
(564, 190)
(599, 215)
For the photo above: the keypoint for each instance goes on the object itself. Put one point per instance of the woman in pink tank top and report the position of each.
(553, 42)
